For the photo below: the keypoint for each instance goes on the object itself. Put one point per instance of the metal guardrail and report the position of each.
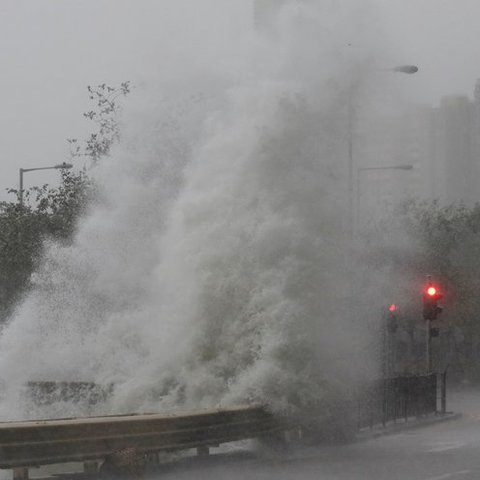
(35, 443)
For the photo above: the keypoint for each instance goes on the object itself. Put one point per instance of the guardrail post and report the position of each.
(20, 473)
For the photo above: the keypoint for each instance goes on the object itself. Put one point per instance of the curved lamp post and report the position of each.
(60, 166)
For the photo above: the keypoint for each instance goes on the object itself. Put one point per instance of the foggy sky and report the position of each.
(50, 50)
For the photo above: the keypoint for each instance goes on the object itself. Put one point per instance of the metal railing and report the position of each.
(397, 398)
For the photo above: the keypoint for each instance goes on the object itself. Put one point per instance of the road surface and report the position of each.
(444, 451)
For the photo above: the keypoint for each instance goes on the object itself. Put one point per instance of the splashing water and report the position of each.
(213, 270)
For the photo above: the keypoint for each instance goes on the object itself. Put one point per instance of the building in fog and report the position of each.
(455, 146)
(443, 146)
(416, 147)
(476, 126)
(376, 184)
(404, 142)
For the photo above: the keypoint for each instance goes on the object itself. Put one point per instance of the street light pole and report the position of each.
(20, 191)
(351, 220)
(60, 166)
(405, 69)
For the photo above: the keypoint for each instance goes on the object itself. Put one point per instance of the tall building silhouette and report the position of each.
(455, 148)
(441, 143)
(476, 127)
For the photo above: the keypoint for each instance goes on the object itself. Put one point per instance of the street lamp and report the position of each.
(60, 166)
(388, 167)
(366, 169)
(406, 69)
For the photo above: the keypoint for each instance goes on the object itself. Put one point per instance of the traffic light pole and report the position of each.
(385, 349)
(431, 310)
(429, 346)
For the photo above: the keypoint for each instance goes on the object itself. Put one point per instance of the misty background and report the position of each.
(50, 51)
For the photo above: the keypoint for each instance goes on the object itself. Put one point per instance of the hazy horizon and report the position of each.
(51, 51)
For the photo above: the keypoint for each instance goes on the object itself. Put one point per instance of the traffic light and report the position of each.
(431, 296)
(392, 323)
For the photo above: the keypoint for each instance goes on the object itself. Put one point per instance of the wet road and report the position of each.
(448, 450)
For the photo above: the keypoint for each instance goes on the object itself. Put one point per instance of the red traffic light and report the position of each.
(431, 296)
(392, 308)
(432, 291)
